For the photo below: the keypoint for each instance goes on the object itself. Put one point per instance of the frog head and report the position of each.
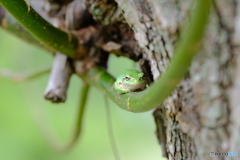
(130, 81)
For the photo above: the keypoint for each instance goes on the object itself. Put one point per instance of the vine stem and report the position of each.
(150, 98)
(143, 101)
(16, 77)
(43, 31)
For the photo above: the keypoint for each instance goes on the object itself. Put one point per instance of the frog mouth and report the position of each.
(136, 87)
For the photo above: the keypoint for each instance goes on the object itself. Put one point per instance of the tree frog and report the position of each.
(130, 81)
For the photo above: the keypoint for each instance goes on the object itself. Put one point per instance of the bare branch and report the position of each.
(59, 79)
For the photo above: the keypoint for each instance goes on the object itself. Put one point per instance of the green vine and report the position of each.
(136, 101)
(163, 87)
(12, 26)
(50, 36)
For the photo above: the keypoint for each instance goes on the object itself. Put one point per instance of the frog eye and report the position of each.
(142, 78)
(127, 78)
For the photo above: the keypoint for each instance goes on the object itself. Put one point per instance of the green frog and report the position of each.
(130, 81)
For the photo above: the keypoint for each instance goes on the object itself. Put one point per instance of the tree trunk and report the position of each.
(200, 118)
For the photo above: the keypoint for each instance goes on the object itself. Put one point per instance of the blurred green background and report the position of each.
(22, 104)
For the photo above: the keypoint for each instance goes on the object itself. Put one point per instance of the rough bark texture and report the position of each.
(214, 72)
(201, 115)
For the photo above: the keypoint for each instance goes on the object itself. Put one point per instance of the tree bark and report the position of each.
(203, 117)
